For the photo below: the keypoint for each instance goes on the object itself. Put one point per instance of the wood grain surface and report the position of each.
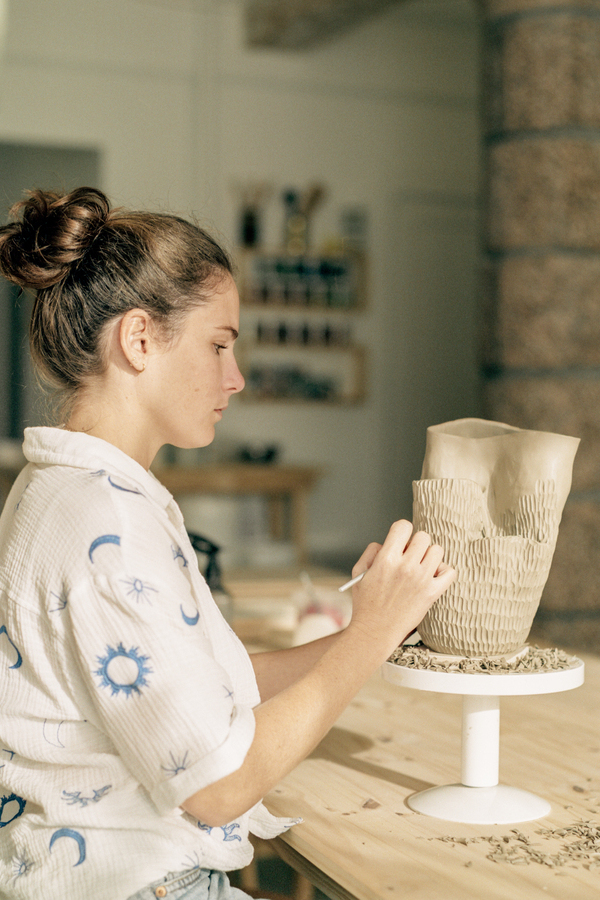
(360, 840)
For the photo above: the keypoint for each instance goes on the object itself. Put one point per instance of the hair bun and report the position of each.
(52, 232)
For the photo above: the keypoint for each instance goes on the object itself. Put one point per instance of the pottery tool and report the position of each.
(352, 582)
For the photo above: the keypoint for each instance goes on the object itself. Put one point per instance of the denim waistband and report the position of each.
(173, 882)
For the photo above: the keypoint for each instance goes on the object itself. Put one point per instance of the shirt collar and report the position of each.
(55, 446)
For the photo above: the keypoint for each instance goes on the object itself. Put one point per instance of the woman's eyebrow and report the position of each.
(234, 334)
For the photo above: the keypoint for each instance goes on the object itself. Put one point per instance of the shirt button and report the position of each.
(160, 891)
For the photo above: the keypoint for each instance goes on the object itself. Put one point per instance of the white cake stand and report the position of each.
(479, 798)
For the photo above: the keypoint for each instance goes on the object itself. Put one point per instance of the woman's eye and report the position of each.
(219, 347)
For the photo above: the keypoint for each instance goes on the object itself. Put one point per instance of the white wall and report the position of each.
(385, 115)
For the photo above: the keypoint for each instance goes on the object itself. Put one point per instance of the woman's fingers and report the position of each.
(419, 545)
(366, 560)
(406, 575)
(400, 533)
(401, 547)
(444, 576)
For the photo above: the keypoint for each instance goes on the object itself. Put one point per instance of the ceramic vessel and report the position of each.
(492, 495)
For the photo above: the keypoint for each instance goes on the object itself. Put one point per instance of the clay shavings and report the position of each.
(534, 659)
(580, 845)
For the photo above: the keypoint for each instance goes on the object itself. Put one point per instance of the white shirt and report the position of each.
(123, 691)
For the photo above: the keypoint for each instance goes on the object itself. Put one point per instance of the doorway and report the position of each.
(22, 167)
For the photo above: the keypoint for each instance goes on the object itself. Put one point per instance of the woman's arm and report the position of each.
(405, 578)
(275, 670)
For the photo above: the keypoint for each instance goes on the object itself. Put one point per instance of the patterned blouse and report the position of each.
(123, 691)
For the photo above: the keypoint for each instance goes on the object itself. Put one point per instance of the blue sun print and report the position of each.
(177, 764)
(21, 867)
(139, 589)
(123, 671)
(11, 807)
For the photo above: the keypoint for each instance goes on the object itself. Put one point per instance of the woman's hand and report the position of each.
(404, 577)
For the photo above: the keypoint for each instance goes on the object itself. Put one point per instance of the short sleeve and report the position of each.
(166, 704)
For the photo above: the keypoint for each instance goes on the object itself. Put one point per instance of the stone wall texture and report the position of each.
(541, 276)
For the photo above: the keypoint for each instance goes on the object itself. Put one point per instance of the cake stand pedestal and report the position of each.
(479, 798)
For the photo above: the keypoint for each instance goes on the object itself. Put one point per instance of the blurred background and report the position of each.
(410, 191)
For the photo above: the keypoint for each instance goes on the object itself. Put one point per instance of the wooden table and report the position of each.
(360, 841)
(281, 485)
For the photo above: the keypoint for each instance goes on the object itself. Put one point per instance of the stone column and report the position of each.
(541, 346)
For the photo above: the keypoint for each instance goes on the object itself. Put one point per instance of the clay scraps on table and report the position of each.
(579, 846)
(534, 659)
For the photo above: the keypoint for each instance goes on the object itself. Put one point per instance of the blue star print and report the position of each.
(60, 601)
(178, 554)
(10, 753)
(74, 798)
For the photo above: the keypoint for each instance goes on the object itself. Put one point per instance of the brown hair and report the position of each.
(89, 263)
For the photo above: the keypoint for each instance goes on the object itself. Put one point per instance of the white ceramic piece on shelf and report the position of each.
(492, 495)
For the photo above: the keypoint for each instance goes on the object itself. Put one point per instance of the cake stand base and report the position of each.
(496, 805)
(479, 798)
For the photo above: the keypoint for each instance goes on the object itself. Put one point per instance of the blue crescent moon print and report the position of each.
(189, 620)
(120, 488)
(51, 733)
(19, 657)
(103, 539)
(76, 836)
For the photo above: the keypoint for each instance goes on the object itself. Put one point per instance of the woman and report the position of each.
(137, 737)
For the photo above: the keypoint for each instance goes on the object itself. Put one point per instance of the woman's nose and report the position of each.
(235, 379)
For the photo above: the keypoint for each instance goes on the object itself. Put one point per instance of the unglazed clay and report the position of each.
(492, 495)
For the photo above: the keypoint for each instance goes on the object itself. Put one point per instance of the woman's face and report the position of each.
(194, 377)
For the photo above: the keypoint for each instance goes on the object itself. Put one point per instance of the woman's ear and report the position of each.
(135, 337)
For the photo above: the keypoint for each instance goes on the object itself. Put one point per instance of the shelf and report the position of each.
(298, 321)
(299, 373)
(281, 280)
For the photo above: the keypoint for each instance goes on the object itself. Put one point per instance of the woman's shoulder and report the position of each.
(73, 524)
(64, 509)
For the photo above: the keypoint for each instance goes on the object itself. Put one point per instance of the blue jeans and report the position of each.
(193, 884)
